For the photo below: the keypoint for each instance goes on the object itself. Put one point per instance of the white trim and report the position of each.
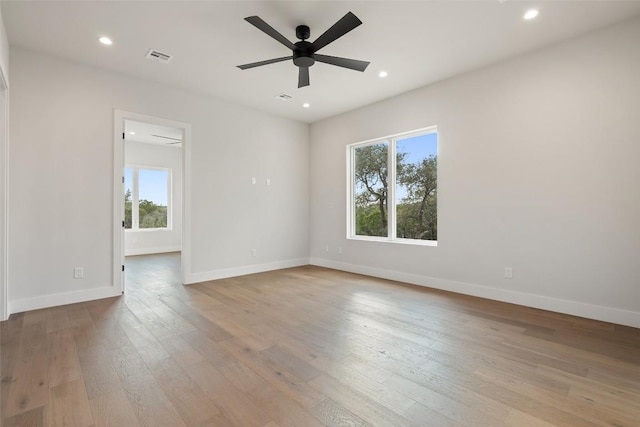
(118, 192)
(404, 135)
(53, 300)
(4, 204)
(147, 251)
(244, 270)
(574, 308)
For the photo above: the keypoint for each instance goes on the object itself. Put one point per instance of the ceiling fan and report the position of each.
(303, 52)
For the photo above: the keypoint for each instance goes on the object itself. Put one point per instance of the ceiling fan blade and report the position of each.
(303, 77)
(347, 23)
(267, 62)
(257, 22)
(352, 64)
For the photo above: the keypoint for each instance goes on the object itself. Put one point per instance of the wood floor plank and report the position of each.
(36, 417)
(276, 374)
(181, 351)
(281, 408)
(457, 411)
(129, 366)
(379, 392)
(359, 403)
(520, 419)
(69, 406)
(187, 397)
(64, 365)
(151, 406)
(232, 403)
(29, 386)
(98, 372)
(310, 346)
(113, 410)
(330, 413)
(581, 411)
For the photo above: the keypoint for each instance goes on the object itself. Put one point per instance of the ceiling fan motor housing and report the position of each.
(303, 54)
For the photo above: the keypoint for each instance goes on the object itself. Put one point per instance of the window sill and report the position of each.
(414, 242)
(144, 230)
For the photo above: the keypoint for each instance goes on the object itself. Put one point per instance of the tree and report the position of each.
(421, 182)
(371, 188)
(128, 218)
(150, 215)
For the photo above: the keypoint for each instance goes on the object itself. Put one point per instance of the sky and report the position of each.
(152, 184)
(418, 147)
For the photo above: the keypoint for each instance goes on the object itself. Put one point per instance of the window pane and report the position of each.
(128, 198)
(153, 192)
(416, 187)
(370, 190)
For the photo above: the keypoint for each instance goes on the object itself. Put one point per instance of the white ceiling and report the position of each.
(417, 42)
(152, 134)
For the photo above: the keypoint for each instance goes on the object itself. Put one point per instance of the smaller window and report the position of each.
(147, 195)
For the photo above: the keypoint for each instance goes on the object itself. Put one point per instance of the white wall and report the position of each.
(61, 180)
(139, 242)
(538, 170)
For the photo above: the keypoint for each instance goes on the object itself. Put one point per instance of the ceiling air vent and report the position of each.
(171, 140)
(158, 56)
(284, 97)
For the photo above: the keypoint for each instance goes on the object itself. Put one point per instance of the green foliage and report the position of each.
(417, 213)
(150, 215)
(128, 216)
(371, 190)
(369, 221)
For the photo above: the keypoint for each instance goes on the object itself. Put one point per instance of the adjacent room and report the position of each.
(319, 213)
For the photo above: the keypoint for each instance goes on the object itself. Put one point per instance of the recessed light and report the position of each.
(132, 133)
(105, 41)
(306, 105)
(530, 14)
(382, 74)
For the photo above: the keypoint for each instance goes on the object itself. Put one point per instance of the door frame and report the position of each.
(119, 117)
(4, 199)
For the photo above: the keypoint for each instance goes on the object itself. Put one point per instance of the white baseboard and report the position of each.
(148, 251)
(241, 271)
(575, 308)
(53, 300)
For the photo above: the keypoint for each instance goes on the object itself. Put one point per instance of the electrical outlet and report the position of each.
(268, 181)
(253, 181)
(326, 248)
(339, 249)
(508, 272)
(253, 252)
(78, 273)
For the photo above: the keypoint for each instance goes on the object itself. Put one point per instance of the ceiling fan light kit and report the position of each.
(303, 52)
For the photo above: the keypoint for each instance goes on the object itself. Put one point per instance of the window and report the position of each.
(146, 198)
(393, 188)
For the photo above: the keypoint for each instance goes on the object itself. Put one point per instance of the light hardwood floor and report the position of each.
(309, 347)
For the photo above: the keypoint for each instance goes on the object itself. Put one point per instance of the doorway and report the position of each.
(150, 197)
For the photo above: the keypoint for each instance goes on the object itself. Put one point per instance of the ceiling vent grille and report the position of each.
(284, 97)
(158, 56)
(171, 140)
